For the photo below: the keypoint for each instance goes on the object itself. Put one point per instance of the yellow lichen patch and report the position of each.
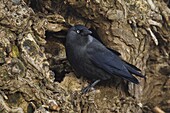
(15, 51)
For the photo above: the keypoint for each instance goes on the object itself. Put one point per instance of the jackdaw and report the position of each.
(94, 61)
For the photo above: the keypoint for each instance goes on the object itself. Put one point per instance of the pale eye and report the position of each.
(78, 31)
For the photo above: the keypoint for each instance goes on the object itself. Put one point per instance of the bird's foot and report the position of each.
(89, 87)
(86, 89)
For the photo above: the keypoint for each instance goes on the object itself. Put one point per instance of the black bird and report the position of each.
(92, 60)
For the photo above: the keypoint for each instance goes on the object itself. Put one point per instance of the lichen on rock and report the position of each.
(36, 77)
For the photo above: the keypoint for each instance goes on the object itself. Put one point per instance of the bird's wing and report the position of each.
(131, 68)
(114, 51)
(103, 58)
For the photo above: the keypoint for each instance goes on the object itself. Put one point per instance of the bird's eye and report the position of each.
(78, 31)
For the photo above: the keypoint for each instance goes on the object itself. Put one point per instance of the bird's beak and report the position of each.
(87, 32)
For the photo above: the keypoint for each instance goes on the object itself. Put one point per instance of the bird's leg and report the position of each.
(94, 83)
(87, 89)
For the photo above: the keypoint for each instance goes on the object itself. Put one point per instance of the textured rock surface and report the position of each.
(36, 77)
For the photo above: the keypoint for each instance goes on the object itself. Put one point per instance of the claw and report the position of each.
(89, 87)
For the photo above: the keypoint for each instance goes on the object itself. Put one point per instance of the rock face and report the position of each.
(36, 77)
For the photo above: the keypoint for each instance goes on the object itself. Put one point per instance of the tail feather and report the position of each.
(132, 79)
(133, 70)
(126, 75)
(132, 66)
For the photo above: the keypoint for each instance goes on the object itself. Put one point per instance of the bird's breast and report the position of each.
(75, 54)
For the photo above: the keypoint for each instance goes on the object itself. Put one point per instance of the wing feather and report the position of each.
(103, 58)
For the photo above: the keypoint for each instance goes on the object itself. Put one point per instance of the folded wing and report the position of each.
(103, 58)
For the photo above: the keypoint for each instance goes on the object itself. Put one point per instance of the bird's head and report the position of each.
(79, 30)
